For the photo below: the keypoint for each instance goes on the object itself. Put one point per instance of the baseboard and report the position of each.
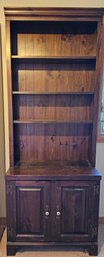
(101, 220)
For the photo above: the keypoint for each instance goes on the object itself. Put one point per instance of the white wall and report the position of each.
(45, 3)
(2, 187)
(53, 3)
(100, 166)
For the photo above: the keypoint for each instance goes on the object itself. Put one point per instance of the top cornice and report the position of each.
(54, 12)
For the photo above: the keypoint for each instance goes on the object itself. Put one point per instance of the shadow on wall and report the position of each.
(2, 166)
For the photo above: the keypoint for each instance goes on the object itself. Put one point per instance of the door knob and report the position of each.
(58, 213)
(47, 213)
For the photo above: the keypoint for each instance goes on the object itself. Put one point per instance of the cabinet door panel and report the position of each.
(32, 201)
(72, 215)
(73, 210)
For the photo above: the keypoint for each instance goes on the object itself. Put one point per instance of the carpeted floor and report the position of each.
(70, 253)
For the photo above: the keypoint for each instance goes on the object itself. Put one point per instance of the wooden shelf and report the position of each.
(51, 93)
(50, 164)
(69, 59)
(53, 57)
(50, 171)
(52, 121)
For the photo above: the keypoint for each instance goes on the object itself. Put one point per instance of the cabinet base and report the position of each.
(92, 249)
(11, 250)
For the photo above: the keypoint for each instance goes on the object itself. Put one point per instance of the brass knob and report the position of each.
(47, 213)
(58, 213)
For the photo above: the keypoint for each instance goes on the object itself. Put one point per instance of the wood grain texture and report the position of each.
(52, 42)
(53, 170)
(55, 13)
(54, 77)
(54, 86)
(51, 107)
(79, 193)
(45, 59)
(39, 142)
(71, 224)
(32, 223)
(53, 38)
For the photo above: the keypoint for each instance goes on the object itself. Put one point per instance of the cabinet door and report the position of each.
(32, 211)
(72, 211)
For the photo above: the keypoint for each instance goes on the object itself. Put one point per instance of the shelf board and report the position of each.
(51, 93)
(50, 164)
(69, 59)
(53, 57)
(53, 121)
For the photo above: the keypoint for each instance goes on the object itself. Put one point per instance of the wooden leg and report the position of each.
(93, 250)
(11, 250)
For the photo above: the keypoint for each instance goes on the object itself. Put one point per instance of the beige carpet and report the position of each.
(54, 253)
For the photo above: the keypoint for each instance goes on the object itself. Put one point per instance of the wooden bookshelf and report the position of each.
(54, 73)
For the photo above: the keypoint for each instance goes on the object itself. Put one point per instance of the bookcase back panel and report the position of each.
(53, 107)
(53, 89)
(42, 142)
(54, 38)
(53, 77)
(56, 45)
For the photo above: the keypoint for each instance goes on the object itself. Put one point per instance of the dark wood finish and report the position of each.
(28, 223)
(53, 76)
(69, 205)
(32, 223)
(89, 247)
(51, 93)
(59, 108)
(10, 110)
(33, 69)
(54, 13)
(51, 121)
(71, 214)
(11, 250)
(73, 211)
(31, 145)
(53, 170)
(93, 250)
(56, 58)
